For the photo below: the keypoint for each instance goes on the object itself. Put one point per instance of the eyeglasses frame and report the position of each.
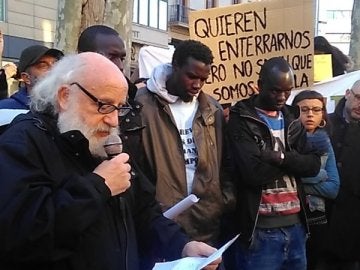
(122, 111)
(308, 109)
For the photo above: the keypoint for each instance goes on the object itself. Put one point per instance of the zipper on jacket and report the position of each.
(272, 139)
(123, 214)
(264, 124)
(302, 203)
(254, 228)
(288, 136)
(118, 203)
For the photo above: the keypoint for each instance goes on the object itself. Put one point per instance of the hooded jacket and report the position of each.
(165, 158)
(10, 107)
(249, 136)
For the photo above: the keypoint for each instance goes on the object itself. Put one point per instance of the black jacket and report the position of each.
(248, 137)
(344, 233)
(131, 127)
(57, 214)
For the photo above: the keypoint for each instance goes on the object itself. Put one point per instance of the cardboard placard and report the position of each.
(322, 67)
(243, 36)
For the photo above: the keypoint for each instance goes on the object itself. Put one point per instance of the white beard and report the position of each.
(70, 120)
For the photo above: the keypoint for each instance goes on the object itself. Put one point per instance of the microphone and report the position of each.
(113, 145)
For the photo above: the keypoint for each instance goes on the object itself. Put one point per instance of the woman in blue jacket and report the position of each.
(325, 185)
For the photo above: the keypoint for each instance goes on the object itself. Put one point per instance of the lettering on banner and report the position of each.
(242, 39)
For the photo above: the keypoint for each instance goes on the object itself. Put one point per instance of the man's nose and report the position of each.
(281, 96)
(197, 84)
(121, 65)
(112, 119)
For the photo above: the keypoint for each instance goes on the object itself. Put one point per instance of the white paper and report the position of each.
(181, 206)
(194, 263)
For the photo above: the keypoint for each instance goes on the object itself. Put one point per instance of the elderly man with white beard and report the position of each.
(63, 204)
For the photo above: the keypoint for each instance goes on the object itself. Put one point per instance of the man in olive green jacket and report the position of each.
(183, 141)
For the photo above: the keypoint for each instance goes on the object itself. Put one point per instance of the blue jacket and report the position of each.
(326, 183)
(10, 107)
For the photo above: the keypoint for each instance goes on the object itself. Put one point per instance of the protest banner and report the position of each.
(333, 89)
(243, 36)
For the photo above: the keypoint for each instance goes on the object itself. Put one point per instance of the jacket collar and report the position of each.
(339, 110)
(22, 97)
(247, 107)
(206, 108)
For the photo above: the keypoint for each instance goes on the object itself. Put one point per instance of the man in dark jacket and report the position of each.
(344, 233)
(106, 41)
(268, 145)
(34, 62)
(63, 206)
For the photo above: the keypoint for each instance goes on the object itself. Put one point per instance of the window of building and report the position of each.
(163, 20)
(197, 4)
(338, 14)
(210, 3)
(136, 11)
(152, 13)
(224, 3)
(203, 4)
(2, 10)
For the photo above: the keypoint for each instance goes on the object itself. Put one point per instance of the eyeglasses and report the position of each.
(315, 110)
(357, 96)
(104, 108)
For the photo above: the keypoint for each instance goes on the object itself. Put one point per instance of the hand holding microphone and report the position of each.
(115, 171)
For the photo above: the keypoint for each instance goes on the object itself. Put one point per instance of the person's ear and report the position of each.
(25, 77)
(347, 93)
(175, 66)
(63, 98)
(260, 85)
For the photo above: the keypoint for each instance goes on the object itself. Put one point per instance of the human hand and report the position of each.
(200, 249)
(10, 70)
(271, 157)
(254, 87)
(116, 173)
(318, 141)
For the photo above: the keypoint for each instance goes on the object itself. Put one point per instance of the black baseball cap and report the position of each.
(32, 54)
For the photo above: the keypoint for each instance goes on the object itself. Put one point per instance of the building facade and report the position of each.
(334, 22)
(155, 22)
(25, 23)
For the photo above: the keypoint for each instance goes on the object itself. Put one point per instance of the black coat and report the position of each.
(57, 214)
(131, 128)
(344, 232)
(248, 137)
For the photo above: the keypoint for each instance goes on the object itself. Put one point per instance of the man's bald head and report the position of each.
(86, 68)
(352, 103)
(274, 71)
(104, 40)
(276, 80)
(100, 70)
(88, 38)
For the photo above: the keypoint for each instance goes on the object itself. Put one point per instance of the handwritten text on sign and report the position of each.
(242, 37)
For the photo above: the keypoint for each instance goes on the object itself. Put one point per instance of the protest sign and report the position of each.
(333, 89)
(322, 67)
(243, 36)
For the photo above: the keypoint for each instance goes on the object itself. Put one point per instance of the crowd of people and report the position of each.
(281, 176)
